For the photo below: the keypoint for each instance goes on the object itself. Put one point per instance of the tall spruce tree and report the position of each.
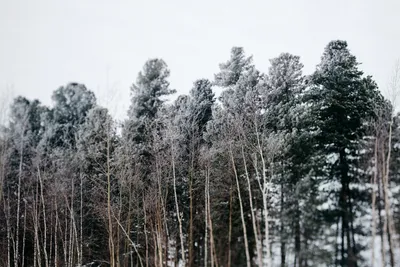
(342, 100)
(140, 153)
(147, 99)
(281, 93)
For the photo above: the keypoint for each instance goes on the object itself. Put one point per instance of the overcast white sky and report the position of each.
(47, 43)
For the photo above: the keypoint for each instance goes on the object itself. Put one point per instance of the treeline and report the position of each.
(283, 169)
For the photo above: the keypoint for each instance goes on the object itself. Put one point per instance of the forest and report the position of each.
(281, 169)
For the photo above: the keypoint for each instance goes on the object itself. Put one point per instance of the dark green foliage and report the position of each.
(342, 100)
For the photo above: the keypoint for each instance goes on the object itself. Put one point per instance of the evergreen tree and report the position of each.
(147, 99)
(341, 101)
(71, 105)
(140, 155)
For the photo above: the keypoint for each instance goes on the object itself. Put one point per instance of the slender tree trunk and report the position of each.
(264, 190)
(44, 219)
(384, 232)
(81, 220)
(337, 235)
(282, 229)
(145, 233)
(159, 231)
(130, 240)
(344, 201)
(155, 241)
(391, 232)
(24, 237)
(353, 241)
(128, 226)
(65, 248)
(190, 216)
(212, 242)
(110, 226)
(51, 232)
(297, 237)
(230, 226)
(16, 249)
(71, 247)
(36, 215)
(118, 250)
(246, 244)
(373, 230)
(209, 221)
(55, 235)
(342, 254)
(253, 218)
(381, 230)
(206, 225)
(8, 225)
(177, 207)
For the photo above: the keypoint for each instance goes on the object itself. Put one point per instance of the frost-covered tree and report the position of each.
(231, 70)
(229, 133)
(283, 170)
(239, 78)
(281, 92)
(342, 100)
(71, 105)
(24, 133)
(202, 100)
(141, 147)
(284, 114)
(147, 99)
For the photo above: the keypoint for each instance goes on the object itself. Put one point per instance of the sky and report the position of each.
(45, 44)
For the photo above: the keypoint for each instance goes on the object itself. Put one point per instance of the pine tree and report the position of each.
(140, 154)
(281, 92)
(147, 99)
(199, 114)
(341, 101)
(71, 105)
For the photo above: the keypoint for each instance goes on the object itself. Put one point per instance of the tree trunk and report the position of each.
(246, 244)
(16, 248)
(282, 229)
(44, 219)
(373, 230)
(230, 226)
(297, 237)
(253, 218)
(110, 226)
(206, 225)
(177, 208)
(214, 259)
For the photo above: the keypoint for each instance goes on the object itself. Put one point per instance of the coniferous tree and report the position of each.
(71, 105)
(342, 99)
(140, 152)
(147, 98)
